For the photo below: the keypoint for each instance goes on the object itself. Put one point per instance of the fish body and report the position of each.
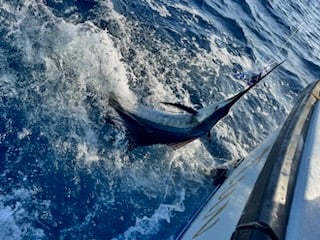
(148, 126)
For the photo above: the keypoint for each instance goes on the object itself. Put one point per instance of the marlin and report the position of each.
(148, 126)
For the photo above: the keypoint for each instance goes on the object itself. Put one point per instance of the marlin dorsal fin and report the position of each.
(182, 107)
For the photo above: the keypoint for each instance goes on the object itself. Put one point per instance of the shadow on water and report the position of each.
(215, 147)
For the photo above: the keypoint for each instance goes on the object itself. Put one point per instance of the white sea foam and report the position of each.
(148, 226)
(161, 9)
(82, 61)
(86, 153)
(225, 57)
(83, 48)
(17, 220)
(195, 12)
(9, 229)
(24, 133)
(7, 85)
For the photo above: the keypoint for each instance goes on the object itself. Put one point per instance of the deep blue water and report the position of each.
(67, 174)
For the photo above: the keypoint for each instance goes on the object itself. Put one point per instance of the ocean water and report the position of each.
(67, 174)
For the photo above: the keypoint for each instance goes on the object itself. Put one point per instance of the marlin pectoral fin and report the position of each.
(182, 107)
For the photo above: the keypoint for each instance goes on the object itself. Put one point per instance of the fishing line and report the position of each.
(290, 37)
(255, 72)
(303, 22)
